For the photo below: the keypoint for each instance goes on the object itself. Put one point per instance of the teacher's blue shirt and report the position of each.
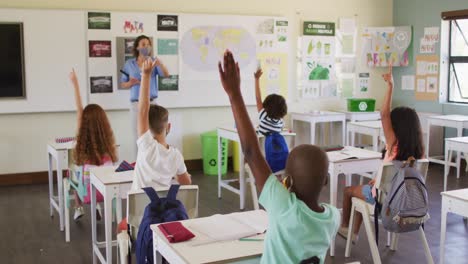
(132, 69)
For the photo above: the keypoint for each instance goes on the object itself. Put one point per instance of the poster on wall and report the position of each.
(275, 73)
(170, 83)
(427, 78)
(101, 84)
(100, 48)
(168, 46)
(318, 59)
(99, 20)
(382, 45)
(364, 81)
(168, 23)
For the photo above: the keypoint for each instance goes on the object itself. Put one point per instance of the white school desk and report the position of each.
(455, 121)
(452, 202)
(360, 116)
(319, 117)
(366, 162)
(459, 144)
(231, 134)
(370, 128)
(59, 152)
(216, 252)
(111, 185)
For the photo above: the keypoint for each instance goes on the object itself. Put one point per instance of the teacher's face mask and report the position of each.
(145, 51)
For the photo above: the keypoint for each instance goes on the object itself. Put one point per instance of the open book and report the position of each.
(231, 226)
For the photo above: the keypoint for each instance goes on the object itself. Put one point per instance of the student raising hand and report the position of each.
(230, 75)
(148, 66)
(388, 77)
(78, 103)
(258, 74)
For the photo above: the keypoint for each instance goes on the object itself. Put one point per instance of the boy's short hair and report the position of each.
(275, 106)
(158, 118)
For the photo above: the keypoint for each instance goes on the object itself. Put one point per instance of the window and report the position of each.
(458, 61)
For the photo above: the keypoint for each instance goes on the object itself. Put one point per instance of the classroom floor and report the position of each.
(29, 235)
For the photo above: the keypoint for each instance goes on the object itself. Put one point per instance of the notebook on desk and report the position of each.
(230, 227)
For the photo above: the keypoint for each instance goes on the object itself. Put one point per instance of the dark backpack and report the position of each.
(159, 210)
(276, 151)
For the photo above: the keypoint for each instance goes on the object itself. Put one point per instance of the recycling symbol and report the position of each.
(363, 106)
(212, 162)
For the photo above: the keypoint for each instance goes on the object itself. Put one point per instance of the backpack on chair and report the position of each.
(276, 151)
(406, 205)
(159, 210)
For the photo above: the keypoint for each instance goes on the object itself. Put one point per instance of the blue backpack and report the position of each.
(276, 151)
(159, 210)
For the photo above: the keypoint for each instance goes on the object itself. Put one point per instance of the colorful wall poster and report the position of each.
(168, 46)
(101, 84)
(275, 73)
(170, 83)
(133, 26)
(99, 20)
(427, 78)
(382, 45)
(282, 30)
(364, 81)
(168, 23)
(100, 48)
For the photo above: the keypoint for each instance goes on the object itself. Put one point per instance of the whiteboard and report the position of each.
(192, 93)
(53, 44)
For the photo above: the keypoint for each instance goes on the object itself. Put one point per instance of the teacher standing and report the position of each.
(131, 77)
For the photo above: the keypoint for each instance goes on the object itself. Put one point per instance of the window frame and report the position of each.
(451, 61)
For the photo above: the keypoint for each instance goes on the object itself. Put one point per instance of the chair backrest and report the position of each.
(138, 200)
(387, 171)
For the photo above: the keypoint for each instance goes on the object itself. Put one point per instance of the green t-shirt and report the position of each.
(295, 232)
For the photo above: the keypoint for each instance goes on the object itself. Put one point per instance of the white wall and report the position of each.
(23, 136)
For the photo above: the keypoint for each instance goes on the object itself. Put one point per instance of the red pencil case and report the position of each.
(175, 232)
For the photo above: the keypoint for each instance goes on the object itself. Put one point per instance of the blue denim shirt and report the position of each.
(132, 69)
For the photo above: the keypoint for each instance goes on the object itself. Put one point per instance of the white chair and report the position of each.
(290, 141)
(136, 203)
(383, 183)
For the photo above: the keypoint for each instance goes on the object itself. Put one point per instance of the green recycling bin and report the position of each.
(210, 153)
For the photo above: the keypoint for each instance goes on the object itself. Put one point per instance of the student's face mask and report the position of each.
(145, 51)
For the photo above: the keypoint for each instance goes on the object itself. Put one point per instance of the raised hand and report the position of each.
(148, 66)
(72, 76)
(388, 77)
(258, 73)
(230, 74)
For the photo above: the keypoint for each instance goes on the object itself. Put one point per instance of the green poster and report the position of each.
(168, 46)
(170, 83)
(99, 20)
(319, 28)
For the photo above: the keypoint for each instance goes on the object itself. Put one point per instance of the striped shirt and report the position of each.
(269, 125)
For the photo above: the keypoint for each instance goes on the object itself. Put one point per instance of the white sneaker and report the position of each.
(79, 212)
(343, 232)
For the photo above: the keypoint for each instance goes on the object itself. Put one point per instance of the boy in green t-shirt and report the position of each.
(300, 228)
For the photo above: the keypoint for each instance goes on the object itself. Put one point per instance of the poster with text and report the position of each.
(99, 20)
(382, 45)
(427, 78)
(100, 48)
(275, 73)
(168, 23)
(101, 84)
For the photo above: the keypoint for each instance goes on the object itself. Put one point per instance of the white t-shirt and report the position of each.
(156, 165)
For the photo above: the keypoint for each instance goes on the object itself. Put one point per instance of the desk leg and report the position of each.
(108, 224)
(459, 134)
(322, 134)
(343, 132)
(93, 221)
(60, 167)
(333, 195)
(446, 166)
(242, 180)
(219, 167)
(428, 135)
(51, 184)
(443, 230)
(156, 254)
(330, 134)
(312, 133)
(375, 142)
